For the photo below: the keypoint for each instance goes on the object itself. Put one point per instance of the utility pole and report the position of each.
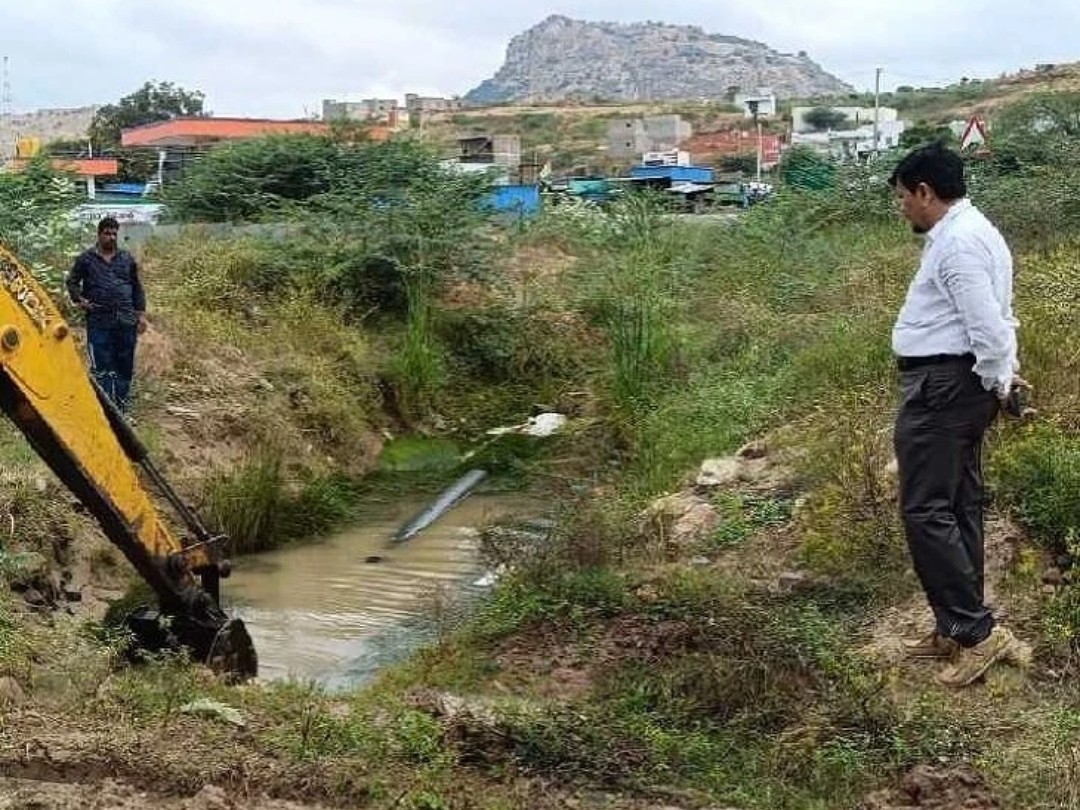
(5, 100)
(753, 105)
(7, 122)
(877, 111)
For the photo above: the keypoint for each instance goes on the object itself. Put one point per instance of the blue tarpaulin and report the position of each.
(523, 200)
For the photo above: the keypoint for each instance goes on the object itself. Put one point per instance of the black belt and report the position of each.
(909, 363)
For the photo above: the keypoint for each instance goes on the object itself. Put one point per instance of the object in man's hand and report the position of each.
(1017, 403)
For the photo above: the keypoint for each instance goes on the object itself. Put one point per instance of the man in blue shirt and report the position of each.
(104, 283)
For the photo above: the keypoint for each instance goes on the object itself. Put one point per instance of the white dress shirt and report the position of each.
(960, 300)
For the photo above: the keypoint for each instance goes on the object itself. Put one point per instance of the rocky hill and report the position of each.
(563, 58)
(48, 125)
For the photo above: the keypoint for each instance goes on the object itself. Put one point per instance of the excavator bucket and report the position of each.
(221, 643)
(232, 652)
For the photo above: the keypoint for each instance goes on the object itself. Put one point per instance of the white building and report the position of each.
(764, 100)
(852, 144)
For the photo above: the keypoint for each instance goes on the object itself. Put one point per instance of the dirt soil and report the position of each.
(26, 794)
(935, 789)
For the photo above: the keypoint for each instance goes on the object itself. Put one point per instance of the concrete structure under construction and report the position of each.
(368, 109)
(428, 104)
(629, 139)
(493, 150)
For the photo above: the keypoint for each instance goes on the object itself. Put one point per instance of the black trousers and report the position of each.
(944, 413)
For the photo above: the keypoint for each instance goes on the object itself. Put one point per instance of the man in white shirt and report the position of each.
(955, 342)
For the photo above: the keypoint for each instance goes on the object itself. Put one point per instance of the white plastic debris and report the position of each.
(204, 707)
(542, 425)
(545, 424)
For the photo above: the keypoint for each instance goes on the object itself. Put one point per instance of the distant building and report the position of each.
(667, 132)
(182, 141)
(675, 157)
(208, 131)
(852, 144)
(429, 104)
(714, 146)
(368, 109)
(854, 117)
(763, 103)
(629, 139)
(491, 150)
(87, 172)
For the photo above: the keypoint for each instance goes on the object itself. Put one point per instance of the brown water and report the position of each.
(320, 612)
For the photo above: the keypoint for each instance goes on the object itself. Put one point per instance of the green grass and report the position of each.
(667, 345)
(259, 508)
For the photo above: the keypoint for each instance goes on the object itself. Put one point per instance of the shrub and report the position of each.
(1038, 474)
(259, 509)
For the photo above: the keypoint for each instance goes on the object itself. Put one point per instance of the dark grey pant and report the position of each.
(944, 412)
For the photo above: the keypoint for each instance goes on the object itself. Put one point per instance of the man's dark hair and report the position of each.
(937, 166)
(108, 223)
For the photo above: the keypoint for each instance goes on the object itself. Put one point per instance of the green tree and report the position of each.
(35, 221)
(1041, 130)
(68, 147)
(245, 180)
(151, 103)
(746, 163)
(823, 118)
(924, 133)
(802, 167)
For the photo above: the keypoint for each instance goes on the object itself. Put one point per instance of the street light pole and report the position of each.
(753, 104)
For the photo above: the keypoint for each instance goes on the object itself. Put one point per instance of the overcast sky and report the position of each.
(281, 57)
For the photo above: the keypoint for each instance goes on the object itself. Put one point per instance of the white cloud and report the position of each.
(253, 57)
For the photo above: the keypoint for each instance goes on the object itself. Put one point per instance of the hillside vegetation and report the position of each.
(685, 637)
(573, 135)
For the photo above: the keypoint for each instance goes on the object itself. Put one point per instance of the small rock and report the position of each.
(793, 580)
(11, 694)
(718, 472)
(755, 449)
(700, 562)
(210, 798)
(1053, 576)
(34, 597)
(183, 413)
(696, 524)
(684, 518)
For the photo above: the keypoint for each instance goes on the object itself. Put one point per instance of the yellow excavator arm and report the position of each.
(46, 391)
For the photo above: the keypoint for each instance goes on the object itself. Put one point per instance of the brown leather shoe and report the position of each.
(932, 645)
(971, 663)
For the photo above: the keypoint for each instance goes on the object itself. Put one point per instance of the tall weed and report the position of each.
(259, 508)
